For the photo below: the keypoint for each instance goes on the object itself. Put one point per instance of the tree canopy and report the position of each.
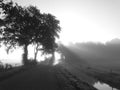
(22, 26)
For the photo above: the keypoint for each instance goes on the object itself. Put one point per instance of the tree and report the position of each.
(25, 26)
(49, 35)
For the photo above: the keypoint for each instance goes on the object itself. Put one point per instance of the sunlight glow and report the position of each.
(16, 55)
(83, 20)
(57, 58)
(77, 28)
(40, 57)
(11, 57)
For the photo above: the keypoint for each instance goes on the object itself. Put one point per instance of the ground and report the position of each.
(44, 77)
(59, 77)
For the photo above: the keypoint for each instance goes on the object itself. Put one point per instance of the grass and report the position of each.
(111, 78)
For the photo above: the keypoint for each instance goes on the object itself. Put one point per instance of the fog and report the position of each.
(100, 54)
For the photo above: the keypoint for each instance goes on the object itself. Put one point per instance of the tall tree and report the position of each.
(25, 26)
(51, 29)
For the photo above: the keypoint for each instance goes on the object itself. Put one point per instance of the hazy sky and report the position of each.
(83, 20)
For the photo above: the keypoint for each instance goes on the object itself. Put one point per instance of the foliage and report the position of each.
(23, 26)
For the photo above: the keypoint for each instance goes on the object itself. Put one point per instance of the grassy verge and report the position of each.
(111, 78)
(72, 80)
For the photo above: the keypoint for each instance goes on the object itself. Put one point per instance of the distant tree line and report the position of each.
(23, 26)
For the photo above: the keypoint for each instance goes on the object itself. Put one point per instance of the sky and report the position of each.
(83, 20)
(80, 20)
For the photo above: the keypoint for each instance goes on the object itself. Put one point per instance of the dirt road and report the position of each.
(42, 77)
(37, 78)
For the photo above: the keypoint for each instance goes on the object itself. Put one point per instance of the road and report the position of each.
(44, 77)
(38, 78)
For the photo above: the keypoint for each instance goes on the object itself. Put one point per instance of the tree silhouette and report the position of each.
(51, 29)
(25, 26)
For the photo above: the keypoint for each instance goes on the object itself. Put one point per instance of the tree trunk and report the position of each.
(51, 62)
(35, 56)
(53, 56)
(36, 52)
(25, 55)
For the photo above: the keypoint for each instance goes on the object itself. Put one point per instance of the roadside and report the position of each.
(44, 77)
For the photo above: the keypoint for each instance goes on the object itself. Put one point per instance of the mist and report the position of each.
(105, 55)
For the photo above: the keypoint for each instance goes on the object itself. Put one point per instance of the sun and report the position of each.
(77, 28)
(69, 26)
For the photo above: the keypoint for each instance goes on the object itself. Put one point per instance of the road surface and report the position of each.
(43, 77)
(38, 78)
